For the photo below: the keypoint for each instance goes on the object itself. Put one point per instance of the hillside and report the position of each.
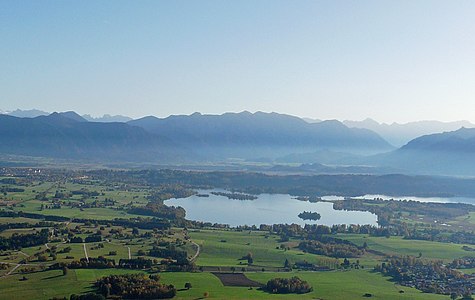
(448, 153)
(68, 136)
(400, 134)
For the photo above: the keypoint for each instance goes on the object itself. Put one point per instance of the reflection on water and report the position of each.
(266, 209)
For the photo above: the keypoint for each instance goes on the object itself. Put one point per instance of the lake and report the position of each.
(266, 209)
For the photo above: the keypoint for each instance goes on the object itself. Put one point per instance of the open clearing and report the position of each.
(236, 279)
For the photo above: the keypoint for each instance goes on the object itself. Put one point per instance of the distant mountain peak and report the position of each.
(29, 113)
(107, 118)
(73, 116)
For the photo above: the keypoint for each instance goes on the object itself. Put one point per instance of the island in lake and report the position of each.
(308, 215)
(311, 199)
(235, 196)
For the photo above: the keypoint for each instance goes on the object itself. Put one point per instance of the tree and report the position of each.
(188, 285)
(42, 258)
(287, 264)
(250, 259)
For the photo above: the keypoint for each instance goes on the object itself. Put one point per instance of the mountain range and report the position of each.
(69, 136)
(32, 113)
(279, 139)
(179, 138)
(252, 135)
(400, 134)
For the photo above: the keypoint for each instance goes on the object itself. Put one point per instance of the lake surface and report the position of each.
(266, 209)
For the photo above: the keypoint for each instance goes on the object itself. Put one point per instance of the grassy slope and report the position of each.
(400, 246)
(327, 285)
(45, 285)
(214, 252)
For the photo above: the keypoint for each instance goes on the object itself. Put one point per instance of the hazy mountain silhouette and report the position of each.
(30, 113)
(448, 153)
(67, 135)
(400, 134)
(247, 135)
(269, 137)
(107, 118)
(72, 115)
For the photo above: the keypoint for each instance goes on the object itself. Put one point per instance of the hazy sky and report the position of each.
(389, 60)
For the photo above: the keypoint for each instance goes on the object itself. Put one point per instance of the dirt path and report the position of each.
(12, 270)
(85, 252)
(198, 248)
(130, 256)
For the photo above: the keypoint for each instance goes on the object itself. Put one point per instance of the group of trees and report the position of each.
(135, 263)
(288, 285)
(6, 226)
(170, 252)
(17, 241)
(135, 286)
(104, 263)
(331, 247)
(157, 209)
(92, 263)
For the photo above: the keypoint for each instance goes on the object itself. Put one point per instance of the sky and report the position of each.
(388, 60)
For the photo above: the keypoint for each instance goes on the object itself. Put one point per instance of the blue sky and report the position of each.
(388, 60)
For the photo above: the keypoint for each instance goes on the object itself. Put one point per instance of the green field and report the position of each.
(48, 284)
(400, 246)
(326, 285)
(225, 248)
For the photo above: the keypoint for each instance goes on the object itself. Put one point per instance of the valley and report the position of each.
(71, 228)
